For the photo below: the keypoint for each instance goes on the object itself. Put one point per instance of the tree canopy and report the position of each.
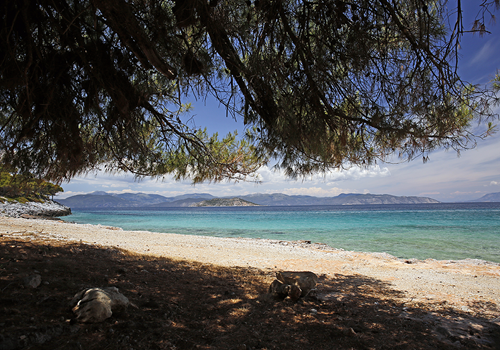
(320, 84)
(26, 187)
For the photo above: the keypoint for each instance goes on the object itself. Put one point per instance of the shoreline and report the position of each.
(306, 244)
(459, 283)
(407, 232)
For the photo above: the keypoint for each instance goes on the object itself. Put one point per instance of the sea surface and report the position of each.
(444, 231)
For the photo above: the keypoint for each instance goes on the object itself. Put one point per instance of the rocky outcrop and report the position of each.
(281, 291)
(46, 209)
(305, 280)
(293, 284)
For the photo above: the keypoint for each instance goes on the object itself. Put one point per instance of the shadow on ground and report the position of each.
(187, 305)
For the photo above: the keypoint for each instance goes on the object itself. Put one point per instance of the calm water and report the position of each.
(439, 231)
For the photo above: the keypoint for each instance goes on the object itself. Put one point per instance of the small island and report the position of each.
(224, 202)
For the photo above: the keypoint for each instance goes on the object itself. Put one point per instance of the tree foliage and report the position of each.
(320, 84)
(26, 187)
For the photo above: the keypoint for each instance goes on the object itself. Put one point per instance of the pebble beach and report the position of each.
(459, 283)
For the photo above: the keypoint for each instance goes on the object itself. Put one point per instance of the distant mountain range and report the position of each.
(104, 200)
(100, 199)
(490, 197)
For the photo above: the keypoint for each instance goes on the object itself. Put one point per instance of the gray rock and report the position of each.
(34, 209)
(33, 281)
(95, 304)
(305, 280)
(281, 290)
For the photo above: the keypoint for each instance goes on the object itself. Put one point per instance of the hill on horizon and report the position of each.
(104, 200)
(490, 197)
(224, 202)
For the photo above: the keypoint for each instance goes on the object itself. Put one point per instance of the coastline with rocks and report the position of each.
(46, 209)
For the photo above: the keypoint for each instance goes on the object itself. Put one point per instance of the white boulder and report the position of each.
(95, 304)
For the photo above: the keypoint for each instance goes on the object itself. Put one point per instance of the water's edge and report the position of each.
(442, 232)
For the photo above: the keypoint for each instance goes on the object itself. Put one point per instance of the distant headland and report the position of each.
(224, 202)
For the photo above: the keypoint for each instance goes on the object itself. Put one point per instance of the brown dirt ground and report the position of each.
(187, 305)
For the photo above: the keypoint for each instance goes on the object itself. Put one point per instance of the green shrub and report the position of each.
(25, 188)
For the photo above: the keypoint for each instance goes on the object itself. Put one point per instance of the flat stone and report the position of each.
(33, 281)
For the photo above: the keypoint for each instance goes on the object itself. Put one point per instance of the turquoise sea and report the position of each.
(445, 231)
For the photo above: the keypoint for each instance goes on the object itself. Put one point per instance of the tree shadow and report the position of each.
(188, 305)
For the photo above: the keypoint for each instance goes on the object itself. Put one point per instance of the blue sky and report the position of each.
(445, 177)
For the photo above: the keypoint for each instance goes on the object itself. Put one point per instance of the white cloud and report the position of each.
(66, 194)
(126, 190)
(488, 50)
(429, 193)
(268, 175)
(316, 191)
(493, 183)
(116, 185)
(356, 173)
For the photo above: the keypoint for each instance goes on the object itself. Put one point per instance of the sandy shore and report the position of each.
(458, 283)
